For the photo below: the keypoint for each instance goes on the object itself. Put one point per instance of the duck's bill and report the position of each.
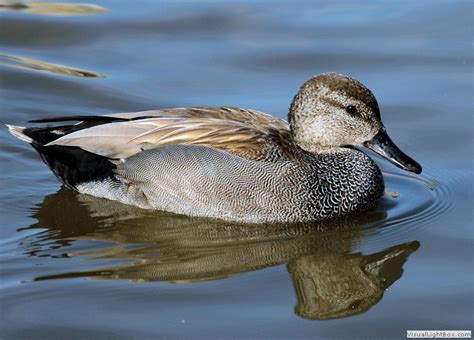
(382, 145)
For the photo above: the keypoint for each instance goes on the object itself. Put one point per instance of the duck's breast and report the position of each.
(346, 181)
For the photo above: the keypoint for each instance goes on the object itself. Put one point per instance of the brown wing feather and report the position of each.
(223, 113)
(247, 133)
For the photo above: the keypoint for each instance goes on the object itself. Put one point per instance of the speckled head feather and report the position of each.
(350, 88)
(332, 110)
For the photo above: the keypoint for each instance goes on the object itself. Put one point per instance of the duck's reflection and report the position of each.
(330, 282)
(335, 286)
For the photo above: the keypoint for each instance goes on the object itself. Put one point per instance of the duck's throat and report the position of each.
(317, 148)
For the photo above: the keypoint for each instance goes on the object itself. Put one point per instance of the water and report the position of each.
(76, 266)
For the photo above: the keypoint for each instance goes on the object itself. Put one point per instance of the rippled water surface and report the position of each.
(75, 266)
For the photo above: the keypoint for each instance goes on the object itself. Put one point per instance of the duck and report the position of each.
(231, 163)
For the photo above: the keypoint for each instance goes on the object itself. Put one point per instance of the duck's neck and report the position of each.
(314, 148)
(314, 153)
(301, 119)
(303, 141)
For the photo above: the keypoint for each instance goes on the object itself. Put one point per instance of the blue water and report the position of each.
(77, 267)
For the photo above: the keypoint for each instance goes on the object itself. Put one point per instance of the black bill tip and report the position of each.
(382, 145)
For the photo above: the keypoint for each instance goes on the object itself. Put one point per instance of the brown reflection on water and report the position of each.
(337, 286)
(330, 282)
(48, 8)
(41, 66)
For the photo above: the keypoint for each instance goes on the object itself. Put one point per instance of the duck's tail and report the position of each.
(71, 165)
(17, 131)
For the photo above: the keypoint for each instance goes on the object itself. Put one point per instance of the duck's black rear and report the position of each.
(72, 165)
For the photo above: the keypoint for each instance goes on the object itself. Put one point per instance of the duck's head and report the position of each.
(332, 110)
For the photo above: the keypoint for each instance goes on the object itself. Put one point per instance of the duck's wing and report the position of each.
(247, 133)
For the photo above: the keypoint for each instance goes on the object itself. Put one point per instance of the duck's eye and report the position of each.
(351, 109)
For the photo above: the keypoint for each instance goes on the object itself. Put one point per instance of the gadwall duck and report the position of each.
(231, 163)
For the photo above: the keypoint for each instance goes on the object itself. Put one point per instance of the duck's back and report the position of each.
(247, 133)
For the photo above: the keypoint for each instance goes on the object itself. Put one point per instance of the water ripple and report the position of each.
(419, 202)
